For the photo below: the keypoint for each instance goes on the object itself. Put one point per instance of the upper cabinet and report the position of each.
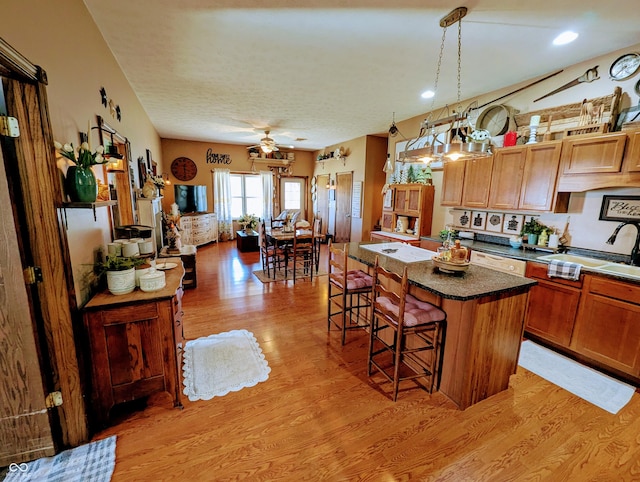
(477, 181)
(414, 202)
(538, 192)
(452, 183)
(598, 162)
(506, 179)
(593, 154)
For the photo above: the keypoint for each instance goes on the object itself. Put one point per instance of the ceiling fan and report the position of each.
(267, 144)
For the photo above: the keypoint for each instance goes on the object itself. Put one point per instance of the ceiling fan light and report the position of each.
(266, 149)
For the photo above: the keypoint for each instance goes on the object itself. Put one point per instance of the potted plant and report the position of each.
(80, 182)
(532, 229)
(121, 273)
(248, 222)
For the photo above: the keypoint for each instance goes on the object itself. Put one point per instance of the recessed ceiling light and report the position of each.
(427, 94)
(565, 38)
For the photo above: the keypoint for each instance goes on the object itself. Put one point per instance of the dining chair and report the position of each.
(317, 241)
(406, 335)
(344, 286)
(301, 257)
(272, 255)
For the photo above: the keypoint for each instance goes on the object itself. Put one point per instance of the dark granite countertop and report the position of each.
(476, 282)
(533, 255)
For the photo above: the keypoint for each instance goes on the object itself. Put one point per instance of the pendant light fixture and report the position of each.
(454, 146)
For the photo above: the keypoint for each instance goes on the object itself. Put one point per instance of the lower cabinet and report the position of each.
(607, 328)
(595, 319)
(134, 343)
(198, 229)
(552, 307)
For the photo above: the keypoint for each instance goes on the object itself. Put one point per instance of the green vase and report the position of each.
(81, 184)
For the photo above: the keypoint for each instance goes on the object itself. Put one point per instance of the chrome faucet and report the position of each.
(635, 252)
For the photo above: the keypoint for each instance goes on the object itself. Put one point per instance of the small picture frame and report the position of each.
(479, 220)
(494, 222)
(620, 208)
(461, 218)
(512, 224)
(387, 200)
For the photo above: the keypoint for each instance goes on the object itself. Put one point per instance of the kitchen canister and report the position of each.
(114, 249)
(152, 281)
(130, 250)
(145, 247)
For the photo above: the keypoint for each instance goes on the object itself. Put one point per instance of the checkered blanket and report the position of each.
(564, 269)
(91, 462)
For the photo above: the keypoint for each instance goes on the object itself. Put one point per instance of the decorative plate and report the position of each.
(165, 266)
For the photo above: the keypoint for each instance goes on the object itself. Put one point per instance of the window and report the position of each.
(246, 195)
(292, 193)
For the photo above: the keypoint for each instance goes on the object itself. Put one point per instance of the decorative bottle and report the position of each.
(458, 253)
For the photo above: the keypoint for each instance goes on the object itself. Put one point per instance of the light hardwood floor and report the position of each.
(319, 417)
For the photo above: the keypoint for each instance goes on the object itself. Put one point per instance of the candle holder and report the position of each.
(532, 134)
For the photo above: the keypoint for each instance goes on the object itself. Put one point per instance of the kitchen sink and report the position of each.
(571, 258)
(621, 269)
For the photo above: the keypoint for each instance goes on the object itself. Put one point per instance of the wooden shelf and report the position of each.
(93, 205)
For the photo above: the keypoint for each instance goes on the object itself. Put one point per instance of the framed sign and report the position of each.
(620, 208)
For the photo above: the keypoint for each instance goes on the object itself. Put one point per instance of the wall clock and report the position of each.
(184, 169)
(494, 119)
(624, 66)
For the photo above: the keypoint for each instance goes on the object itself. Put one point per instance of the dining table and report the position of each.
(284, 239)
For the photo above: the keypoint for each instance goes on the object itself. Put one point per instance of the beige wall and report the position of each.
(200, 153)
(61, 37)
(586, 231)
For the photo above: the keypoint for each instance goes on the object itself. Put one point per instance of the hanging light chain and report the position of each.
(435, 85)
(459, 60)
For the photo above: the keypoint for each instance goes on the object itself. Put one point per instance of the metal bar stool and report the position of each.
(405, 334)
(344, 286)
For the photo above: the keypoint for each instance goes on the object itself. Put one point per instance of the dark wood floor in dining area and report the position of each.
(319, 417)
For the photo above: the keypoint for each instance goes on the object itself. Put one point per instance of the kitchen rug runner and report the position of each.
(218, 364)
(599, 389)
(91, 462)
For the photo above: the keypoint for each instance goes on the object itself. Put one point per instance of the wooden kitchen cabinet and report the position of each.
(632, 155)
(477, 181)
(552, 307)
(506, 178)
(607, 328)
(415, 201)
(452, 183)
(134, 341)
(538, 192)
(593, 154)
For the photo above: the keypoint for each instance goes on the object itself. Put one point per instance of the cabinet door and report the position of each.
(539, 176)
(414, 200)
(593, 155)
(387, 221)
(400, 197)
(452, 183)
(506, 178)
(477, 182)
(608, 331)
(632, 155)
(551, 311)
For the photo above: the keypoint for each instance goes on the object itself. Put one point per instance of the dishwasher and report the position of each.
(499, 263)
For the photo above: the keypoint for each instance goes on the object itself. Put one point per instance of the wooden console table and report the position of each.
(134, 340)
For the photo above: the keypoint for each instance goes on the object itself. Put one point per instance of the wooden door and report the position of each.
(33, 199)
(322, 201)
(25, 432)
(344, 182)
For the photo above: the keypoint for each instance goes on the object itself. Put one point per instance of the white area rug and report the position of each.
(218, 364)
(91, 462)
(603, 391)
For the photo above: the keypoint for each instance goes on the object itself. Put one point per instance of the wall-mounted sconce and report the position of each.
(331, 184)
(165, 178)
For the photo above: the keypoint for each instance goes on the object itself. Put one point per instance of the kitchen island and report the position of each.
(485, 321)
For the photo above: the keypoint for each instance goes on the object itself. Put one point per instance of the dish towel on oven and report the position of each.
(564, 269)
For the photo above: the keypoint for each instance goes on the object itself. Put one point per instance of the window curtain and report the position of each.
(222, 203)
(267, 195)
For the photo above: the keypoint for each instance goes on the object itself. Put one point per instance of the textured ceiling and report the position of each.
(331, 71)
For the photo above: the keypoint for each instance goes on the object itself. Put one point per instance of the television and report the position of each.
(190, 199)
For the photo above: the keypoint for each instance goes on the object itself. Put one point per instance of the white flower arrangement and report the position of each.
(480, 136)
(83, 158)
(248, 221)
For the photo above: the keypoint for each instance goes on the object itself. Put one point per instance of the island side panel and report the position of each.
(482, 346)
